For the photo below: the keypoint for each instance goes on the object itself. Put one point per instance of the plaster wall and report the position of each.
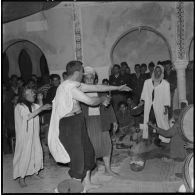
(101, 25)
(55, 40)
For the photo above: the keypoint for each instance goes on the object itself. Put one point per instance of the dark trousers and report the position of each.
(152, 119)
(74, 137)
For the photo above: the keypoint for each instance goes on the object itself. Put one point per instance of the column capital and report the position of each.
(181, 64)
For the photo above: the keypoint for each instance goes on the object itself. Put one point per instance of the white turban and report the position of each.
(89, 70)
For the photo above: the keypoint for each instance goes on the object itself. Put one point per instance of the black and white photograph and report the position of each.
(97, 96)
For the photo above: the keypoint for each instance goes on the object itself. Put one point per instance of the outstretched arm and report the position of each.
(102, 88)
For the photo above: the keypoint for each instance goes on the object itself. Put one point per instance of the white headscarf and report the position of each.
(162, 74)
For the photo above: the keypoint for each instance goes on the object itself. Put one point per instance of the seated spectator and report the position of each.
(177, 144)
(130, 103)
(126, 123)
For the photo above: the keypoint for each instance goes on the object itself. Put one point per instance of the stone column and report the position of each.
(77, 32)
(181, 62)
(180, 66)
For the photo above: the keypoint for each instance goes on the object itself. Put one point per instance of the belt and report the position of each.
(73, 113)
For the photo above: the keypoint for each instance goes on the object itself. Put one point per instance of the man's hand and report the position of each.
(140, 104)
(152, 125)
(106, 100)
(39, 96)
(124, 88)
(188, 146)
(115, 127)
(46, 107)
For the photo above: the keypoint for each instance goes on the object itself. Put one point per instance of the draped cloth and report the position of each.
(62, 105)
(28, 155)
(161, 99)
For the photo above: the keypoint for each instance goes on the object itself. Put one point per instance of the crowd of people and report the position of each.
(78, 119)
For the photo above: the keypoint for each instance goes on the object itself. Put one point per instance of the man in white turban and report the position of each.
(156, 99)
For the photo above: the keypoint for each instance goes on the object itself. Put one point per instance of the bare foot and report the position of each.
(22, 183)
(37, 176)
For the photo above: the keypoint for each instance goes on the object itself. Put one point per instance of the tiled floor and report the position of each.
(145, 181)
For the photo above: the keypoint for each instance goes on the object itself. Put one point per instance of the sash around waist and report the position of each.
(72, 114)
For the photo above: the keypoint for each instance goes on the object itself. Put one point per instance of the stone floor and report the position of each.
(157, 176)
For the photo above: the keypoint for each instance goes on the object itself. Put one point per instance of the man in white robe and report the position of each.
(156, 98)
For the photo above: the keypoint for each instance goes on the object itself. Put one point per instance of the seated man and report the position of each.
(126, 124)
(177, 144)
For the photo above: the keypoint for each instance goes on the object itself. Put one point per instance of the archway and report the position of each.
(141, 44)
(13, 51)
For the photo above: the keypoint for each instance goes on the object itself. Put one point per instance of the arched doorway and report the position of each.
(141, 44)
(28, 53)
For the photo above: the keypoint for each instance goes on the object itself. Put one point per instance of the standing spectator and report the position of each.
(13, 89)
(45, 85)
(128, 71)
(9, 119)
(35, 78)
(116, 80)
(31, 83)
(20, 84)
(55, 82)
(64, 75)
(105, 82)
(171, 76)
(136, 83)
(143, 70)
(156, 99)
(151, 66)
(28, 156)
(6, 148)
